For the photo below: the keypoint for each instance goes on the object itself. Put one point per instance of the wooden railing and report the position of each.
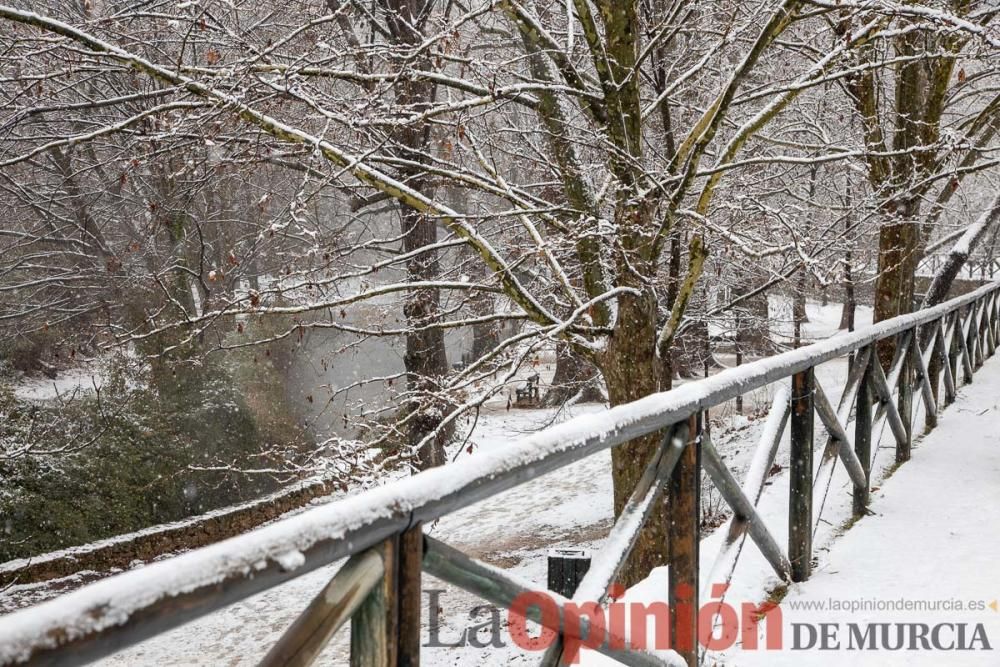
(380, 531)
(975, 268)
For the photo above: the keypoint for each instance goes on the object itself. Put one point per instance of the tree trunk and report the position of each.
(898, 245)
(485, 336)
(575, 378)
(425, 359)
(799, 316)
(847, 315)
(671, 363)
(631, 370)
(850, 299)
(752, 318)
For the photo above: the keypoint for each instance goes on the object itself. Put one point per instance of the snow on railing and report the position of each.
(111, 614)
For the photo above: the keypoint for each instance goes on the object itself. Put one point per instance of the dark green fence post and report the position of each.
(374, 624)
(942, 357)
(969, 352)
(385, 630)
(985, 329)
(801, 476)
(904, 400)
(863, 438)
(996, 318)
(975, 330)
(954, 348)
(683, 539)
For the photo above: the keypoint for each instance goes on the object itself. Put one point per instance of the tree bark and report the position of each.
(671, 362)
(799, 316)
(631, 370)
(920, 93)
(850, 299)
(425, 359)
(752, 318)
(898, 250)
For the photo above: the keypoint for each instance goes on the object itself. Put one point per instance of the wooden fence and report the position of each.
(380, 531)
(975, 268)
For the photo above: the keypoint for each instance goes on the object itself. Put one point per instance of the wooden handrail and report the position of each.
(111, 614)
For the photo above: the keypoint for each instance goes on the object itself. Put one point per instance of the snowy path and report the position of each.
(933, 541)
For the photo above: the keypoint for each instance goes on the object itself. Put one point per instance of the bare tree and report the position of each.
(600, 156)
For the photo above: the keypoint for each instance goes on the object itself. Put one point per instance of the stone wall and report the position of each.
(122, 552)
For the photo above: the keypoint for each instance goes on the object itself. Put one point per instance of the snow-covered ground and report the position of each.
(823, 321)
(931, 544)
(572, 508)
(84, 378)
(568, 508)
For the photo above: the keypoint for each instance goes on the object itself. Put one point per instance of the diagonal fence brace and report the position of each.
(730, 490)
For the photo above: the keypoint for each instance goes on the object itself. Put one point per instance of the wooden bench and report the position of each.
(528, 396)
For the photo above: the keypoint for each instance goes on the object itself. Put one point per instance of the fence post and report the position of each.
(975, 328)
(991, 323)
(953, 349)
(683, 538)
(989, 317)
(411, 558)
(904, 401)
(373, 626)
(863, 437)
(385, 630)
(800, 476)
(986, 329)
(934, 361)
(996, 317)
(940, 356)
(969, 351)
